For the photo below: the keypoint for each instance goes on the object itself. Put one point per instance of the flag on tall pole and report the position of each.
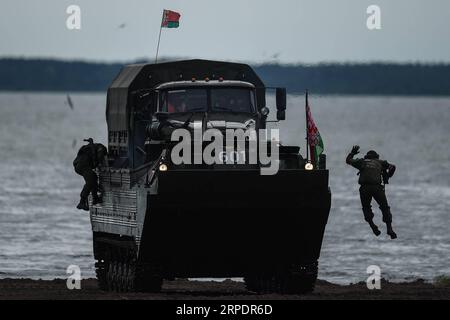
(313, 137)
(170, 19)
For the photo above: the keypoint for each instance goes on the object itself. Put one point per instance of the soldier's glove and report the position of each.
(355, 150)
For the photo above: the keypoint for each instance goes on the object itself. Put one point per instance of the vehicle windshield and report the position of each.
(196, 100)
(186, 100)
(232, 99)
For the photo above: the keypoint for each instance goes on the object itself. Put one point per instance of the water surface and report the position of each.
(41, 232)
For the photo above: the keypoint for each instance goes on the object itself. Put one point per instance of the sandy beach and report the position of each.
(18, 289)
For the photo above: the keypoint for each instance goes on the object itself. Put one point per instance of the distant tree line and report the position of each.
(375, 78)
(372, 79)
(55, 75)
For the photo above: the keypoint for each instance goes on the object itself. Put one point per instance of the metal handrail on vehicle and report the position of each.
(152, 171)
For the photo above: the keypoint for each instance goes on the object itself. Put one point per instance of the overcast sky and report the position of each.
(288, 31)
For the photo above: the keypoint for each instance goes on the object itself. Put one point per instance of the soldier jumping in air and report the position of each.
(373, 174)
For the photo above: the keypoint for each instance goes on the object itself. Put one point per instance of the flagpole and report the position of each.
(307, 133)
(159, 38)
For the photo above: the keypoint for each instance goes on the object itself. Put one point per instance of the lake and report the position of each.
(41, 232)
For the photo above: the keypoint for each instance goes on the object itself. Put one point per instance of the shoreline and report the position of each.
(181, 289)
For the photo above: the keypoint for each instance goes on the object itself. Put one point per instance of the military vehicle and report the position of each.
(160, 220)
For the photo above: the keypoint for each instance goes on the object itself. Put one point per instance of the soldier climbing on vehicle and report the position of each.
(89, 157)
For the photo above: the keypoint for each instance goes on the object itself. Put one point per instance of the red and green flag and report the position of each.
(315, 141)
(171, 19)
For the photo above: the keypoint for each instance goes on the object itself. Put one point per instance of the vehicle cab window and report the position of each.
(185, 100)
(232, 100)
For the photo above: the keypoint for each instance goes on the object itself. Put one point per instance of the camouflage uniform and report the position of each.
(371, 171)
(87, 160)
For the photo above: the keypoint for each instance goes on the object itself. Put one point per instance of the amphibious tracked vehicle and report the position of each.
(161, 219)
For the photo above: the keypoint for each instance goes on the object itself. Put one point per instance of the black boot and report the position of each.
(390, 231)
(374, 228)
(96, 200)
(83, 205)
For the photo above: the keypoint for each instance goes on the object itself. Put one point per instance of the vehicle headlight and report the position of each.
(309, 166)
(163, 167)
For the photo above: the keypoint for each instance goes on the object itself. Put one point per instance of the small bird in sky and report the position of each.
(122, 26)
(276, 55)
(69, 102)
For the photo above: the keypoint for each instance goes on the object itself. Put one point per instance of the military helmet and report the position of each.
(372, 154)
(101, 149)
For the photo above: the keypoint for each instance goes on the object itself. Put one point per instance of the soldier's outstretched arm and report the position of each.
(349, 160)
